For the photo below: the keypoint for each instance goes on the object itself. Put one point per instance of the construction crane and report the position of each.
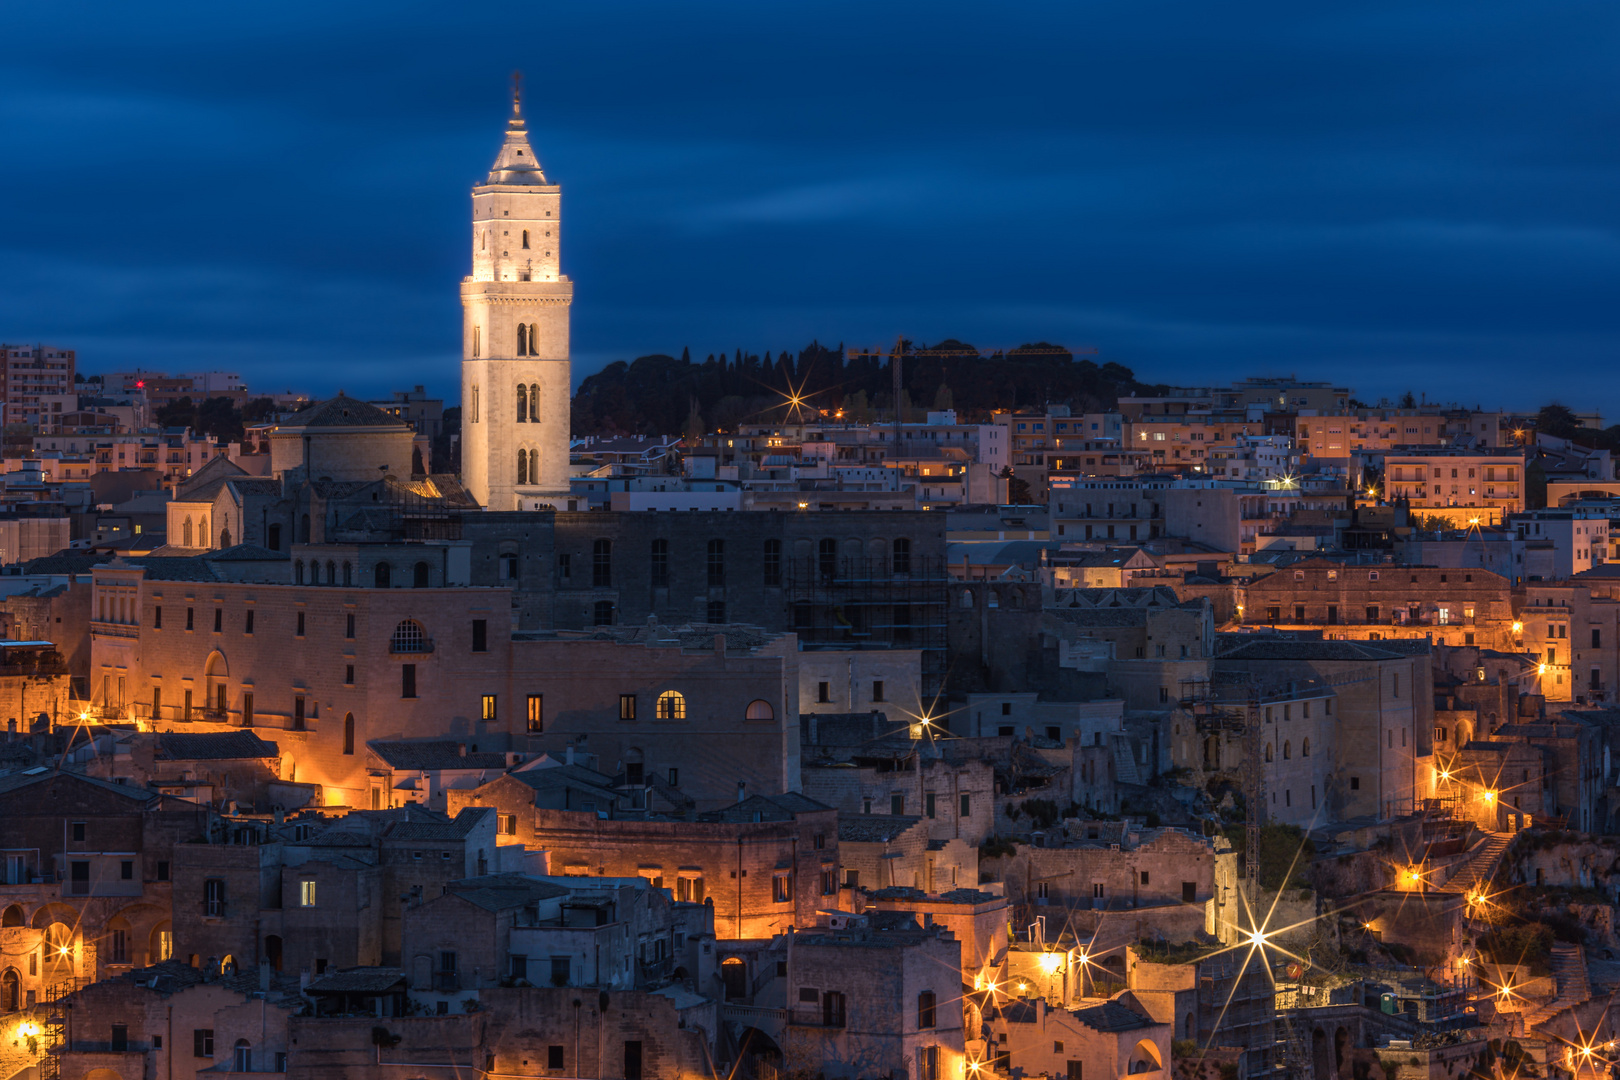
(896, 355)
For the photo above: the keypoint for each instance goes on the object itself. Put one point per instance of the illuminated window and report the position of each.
(671, 706)
(306, 894)
(487, 708)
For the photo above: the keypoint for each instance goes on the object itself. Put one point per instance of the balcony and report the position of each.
(446, 982)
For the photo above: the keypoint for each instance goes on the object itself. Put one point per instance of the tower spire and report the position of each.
(517, 94)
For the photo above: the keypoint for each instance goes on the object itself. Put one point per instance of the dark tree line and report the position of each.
(218, 416)
(660, 394)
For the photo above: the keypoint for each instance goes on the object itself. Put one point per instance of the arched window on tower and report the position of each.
(534, 466)
(523, 340)
(522, 405)
(483, 241)
(478, 335)
(525, 237)
(534, 402)
(533, 351)
(523, 467)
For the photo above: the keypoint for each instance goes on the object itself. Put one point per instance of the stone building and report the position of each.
(1454, 606)
(333, 669)
(1376, 730)
(765, 864)
(1103, 1039)
(172, 1019)
(90, 868)
(515, 385)
(865, 1001)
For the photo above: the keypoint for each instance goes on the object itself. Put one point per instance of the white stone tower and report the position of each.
(514, 368)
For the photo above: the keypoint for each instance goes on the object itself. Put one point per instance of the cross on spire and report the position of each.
(517, 91)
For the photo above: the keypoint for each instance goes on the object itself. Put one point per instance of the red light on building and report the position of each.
(140, 384)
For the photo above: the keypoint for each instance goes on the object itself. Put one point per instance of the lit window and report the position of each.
(306, 894)
(671, 706)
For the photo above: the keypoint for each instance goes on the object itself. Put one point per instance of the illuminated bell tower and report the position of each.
(514, 368)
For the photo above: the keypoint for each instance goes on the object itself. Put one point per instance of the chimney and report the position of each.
(461, 749)
(264, 977)
(568, 758)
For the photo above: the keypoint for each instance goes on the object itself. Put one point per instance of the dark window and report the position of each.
(190, 618)
(635, 773)
(602, 565)
(827, 558)
(247, 708)
(480, 635)
(163, 870)
(298, 713)
(1076, 1071)
(902, 556)
(823, 692)
(897, 804)
(536, 712)
(674, 777)
(247, 622)
(967, 806)
(929, 1056)
(565, 566)
(300, 631)
(120, 1038)
(419, 575)
(202, 1042)
(407, 681)
(632, 1059)
(717, 611)
(219, 619)
(348, 675)
(554, 1057)
(832, 1008)
(348, 731)
(627, 706)
(717, 565)
(602, 613)
(1355, 783)
(773, 563)
(383, 576)
(1189, 892)
(928, 804)
(214, 897)
(78, 831)
(348, 626)
(660, 564)
(126, 870)
(925, 1009)
(157, 618)
(1597, 639)
(877, 690)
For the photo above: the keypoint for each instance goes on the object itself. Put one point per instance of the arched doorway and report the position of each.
(13, 916)
(1319, 1055)
(272, 951)
(1145, 1058)
(383, 575)
(10, 991)
(734, 977)
(216, 674)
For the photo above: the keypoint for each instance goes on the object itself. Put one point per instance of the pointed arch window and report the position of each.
(523, 340)
(525, 237)
(534, 466)
(523, 467)
(534, 402)
(533, 349)
(522, 405)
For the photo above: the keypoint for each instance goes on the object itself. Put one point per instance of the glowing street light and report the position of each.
(1051, 961)
(1488, 796)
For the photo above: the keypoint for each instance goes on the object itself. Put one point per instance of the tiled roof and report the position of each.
(214, 745)
(765, 808)
(18, 781)
(176, 569)
(455, 829)
(1270, 648)
(873, 828)
(365, 980)
(1110, 1016)
(343, 411)
(248, 552)
(434, 755)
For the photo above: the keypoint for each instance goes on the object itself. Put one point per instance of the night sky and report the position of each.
(1393, 195)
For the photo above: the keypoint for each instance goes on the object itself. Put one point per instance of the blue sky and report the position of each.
(1397, 195)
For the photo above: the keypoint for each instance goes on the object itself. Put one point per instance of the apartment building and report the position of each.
(1342, 435)
(1562, 543)
(1464, 487)
(38, 383)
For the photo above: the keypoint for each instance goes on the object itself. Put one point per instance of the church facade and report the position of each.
(515, 390)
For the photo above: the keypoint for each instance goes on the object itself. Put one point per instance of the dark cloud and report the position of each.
(1389, 194)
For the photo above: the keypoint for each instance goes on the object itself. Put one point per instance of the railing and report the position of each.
(446, 982)
(815, 1018)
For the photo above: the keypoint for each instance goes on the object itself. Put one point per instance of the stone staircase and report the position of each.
(1569, 973)
(1476, 871)
(1125, 768)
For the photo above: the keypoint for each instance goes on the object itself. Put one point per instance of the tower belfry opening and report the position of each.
(515, 333)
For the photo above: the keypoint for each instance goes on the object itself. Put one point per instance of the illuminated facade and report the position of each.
(515, 305)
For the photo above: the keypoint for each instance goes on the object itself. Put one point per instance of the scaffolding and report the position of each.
(54, 1030)
(861, 602)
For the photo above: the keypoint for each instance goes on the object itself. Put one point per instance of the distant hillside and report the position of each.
(662, 395)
